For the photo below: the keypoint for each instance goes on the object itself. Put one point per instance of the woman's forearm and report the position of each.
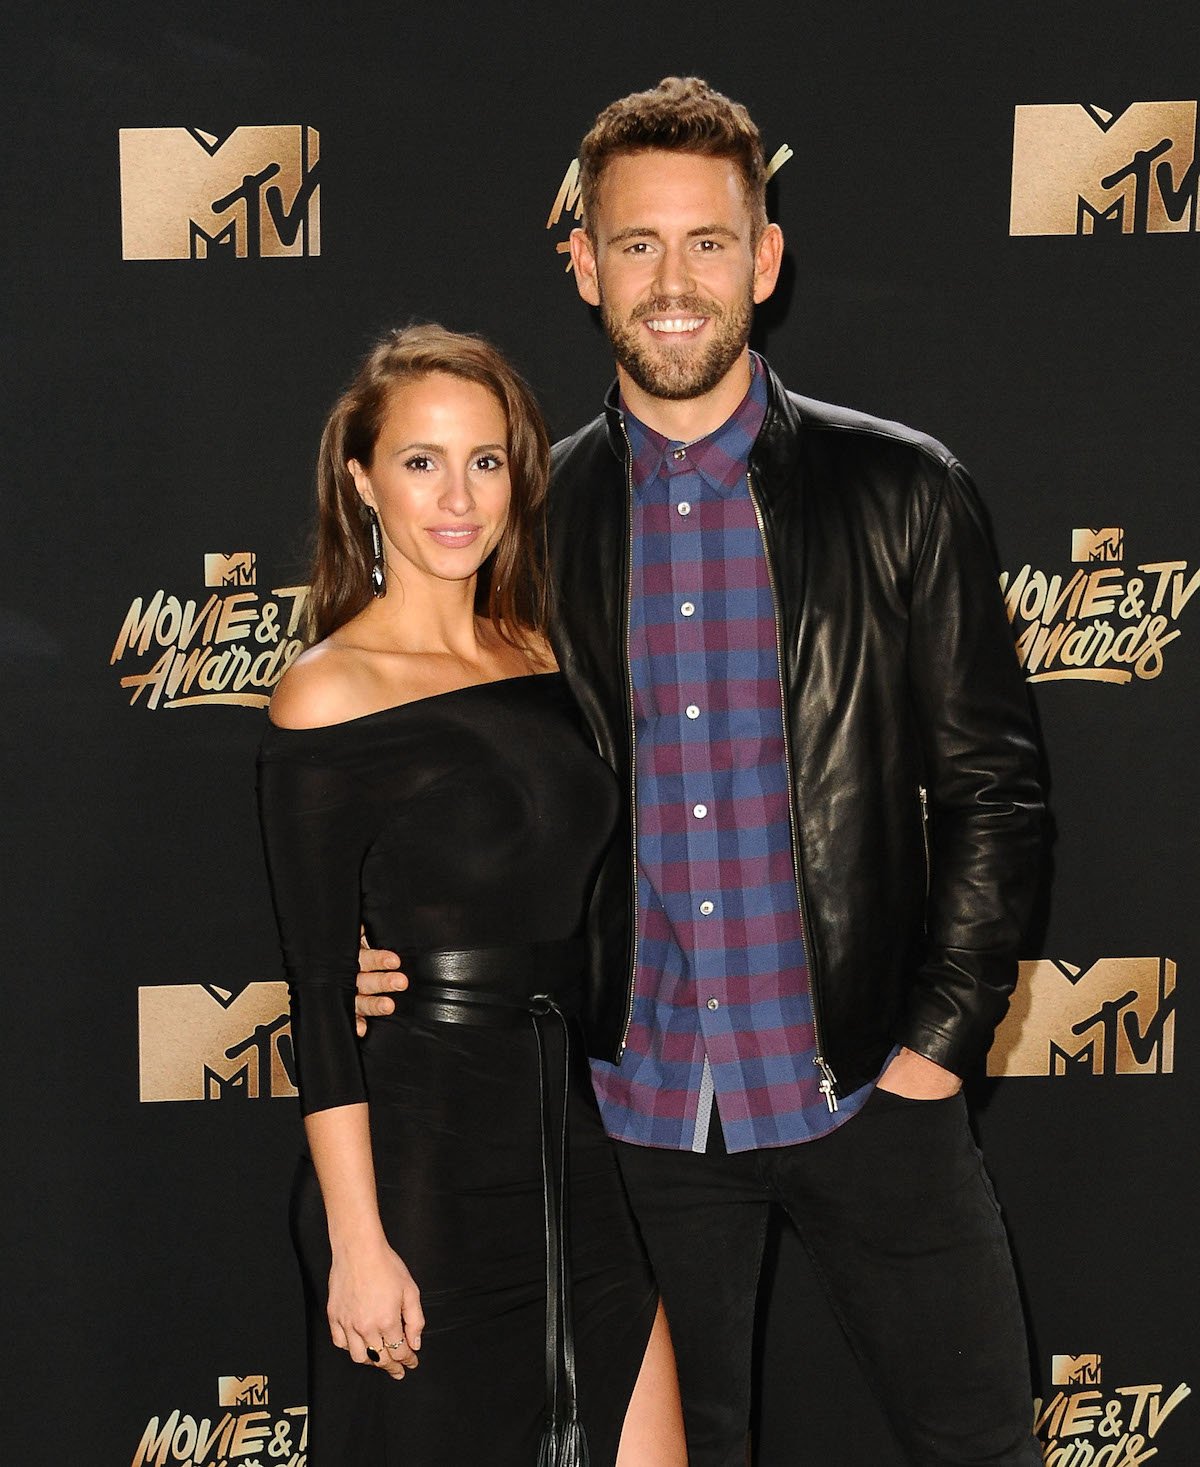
(340, 1143)
(374, 1306)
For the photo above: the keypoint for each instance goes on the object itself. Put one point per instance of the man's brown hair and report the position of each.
(683, 114)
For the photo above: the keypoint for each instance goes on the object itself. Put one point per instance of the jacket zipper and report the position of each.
(923, 796)
(633, 895)
(828, 1084)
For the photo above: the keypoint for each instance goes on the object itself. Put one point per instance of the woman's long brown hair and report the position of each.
(511, 589)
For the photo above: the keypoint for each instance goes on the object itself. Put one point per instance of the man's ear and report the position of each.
(583, 260)
(768, 257)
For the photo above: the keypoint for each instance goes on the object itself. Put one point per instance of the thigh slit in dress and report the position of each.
(471, 819)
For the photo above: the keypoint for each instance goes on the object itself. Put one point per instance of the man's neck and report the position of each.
(686, 419)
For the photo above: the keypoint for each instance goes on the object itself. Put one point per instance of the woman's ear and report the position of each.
(362, 481)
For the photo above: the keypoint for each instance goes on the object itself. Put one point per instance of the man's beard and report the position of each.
(680, 374)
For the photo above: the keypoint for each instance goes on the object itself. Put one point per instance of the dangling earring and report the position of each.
(378, 580)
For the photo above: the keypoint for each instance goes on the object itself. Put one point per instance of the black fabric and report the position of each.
(455, 1132)
(902, 1226)
(476, 818)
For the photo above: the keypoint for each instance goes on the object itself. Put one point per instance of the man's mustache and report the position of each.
(679, 305)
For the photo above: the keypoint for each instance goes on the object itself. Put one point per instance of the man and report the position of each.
(782, 623)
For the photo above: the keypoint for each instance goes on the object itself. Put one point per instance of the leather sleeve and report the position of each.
(984, 801)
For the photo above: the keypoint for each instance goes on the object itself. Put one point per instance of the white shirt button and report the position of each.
(688, 608)
(714, 1003)
(706, 909)
(684, 508)
(699, 811)
(692, 711)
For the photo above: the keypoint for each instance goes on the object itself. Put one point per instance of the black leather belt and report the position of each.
(494, 987)
(539, 984)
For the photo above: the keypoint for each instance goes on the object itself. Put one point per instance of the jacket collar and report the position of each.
(775, 449)
(613, 422)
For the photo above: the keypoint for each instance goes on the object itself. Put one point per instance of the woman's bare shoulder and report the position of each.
(328, 683)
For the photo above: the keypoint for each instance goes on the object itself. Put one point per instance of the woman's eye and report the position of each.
(489, 462)
(419, 462)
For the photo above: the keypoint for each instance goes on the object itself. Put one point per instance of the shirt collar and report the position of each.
(721, 457)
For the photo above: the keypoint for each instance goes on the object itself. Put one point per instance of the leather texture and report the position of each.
(493, 987)
(916, 803)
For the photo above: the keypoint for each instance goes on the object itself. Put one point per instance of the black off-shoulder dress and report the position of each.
(472, 819)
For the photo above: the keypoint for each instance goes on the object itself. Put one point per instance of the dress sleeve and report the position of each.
(316, 821)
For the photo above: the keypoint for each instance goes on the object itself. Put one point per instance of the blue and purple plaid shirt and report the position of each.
(721, 1006)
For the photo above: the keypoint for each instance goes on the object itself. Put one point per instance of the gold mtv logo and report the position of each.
(1074, 1370)
(238, 569)
(1079, 168)
(197, 1041)
(1114, 1017)
(187, 194)
(1088, 546)
(242, 1390)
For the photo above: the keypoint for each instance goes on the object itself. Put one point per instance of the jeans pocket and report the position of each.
(889, 1100)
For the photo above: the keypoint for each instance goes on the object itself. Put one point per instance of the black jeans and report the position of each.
(902, 1225)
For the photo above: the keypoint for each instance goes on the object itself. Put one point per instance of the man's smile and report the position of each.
(675, 325)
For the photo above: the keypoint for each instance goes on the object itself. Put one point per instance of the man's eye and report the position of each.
(707, 246)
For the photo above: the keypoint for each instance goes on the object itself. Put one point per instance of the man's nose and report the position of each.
(674, 271)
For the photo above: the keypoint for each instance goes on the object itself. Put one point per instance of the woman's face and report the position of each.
(439, 478)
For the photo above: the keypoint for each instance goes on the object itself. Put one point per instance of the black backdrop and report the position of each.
(165, 410)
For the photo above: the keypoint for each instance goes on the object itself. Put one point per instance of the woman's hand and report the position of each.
(374, 1308)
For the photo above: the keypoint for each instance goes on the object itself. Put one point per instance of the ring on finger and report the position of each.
(390, 1344)
(372, 1354)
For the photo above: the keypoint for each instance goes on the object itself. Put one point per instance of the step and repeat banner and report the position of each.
(993, 234)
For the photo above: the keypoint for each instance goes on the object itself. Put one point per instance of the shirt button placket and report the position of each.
(687, 609)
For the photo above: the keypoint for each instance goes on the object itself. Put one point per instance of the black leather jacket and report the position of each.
(916, 811)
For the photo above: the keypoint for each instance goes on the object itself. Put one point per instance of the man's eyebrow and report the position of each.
(633, 232)
(701, 231)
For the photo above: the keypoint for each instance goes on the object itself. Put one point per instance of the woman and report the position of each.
(423, 774)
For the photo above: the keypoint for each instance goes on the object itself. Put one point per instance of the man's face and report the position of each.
(674, 269)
